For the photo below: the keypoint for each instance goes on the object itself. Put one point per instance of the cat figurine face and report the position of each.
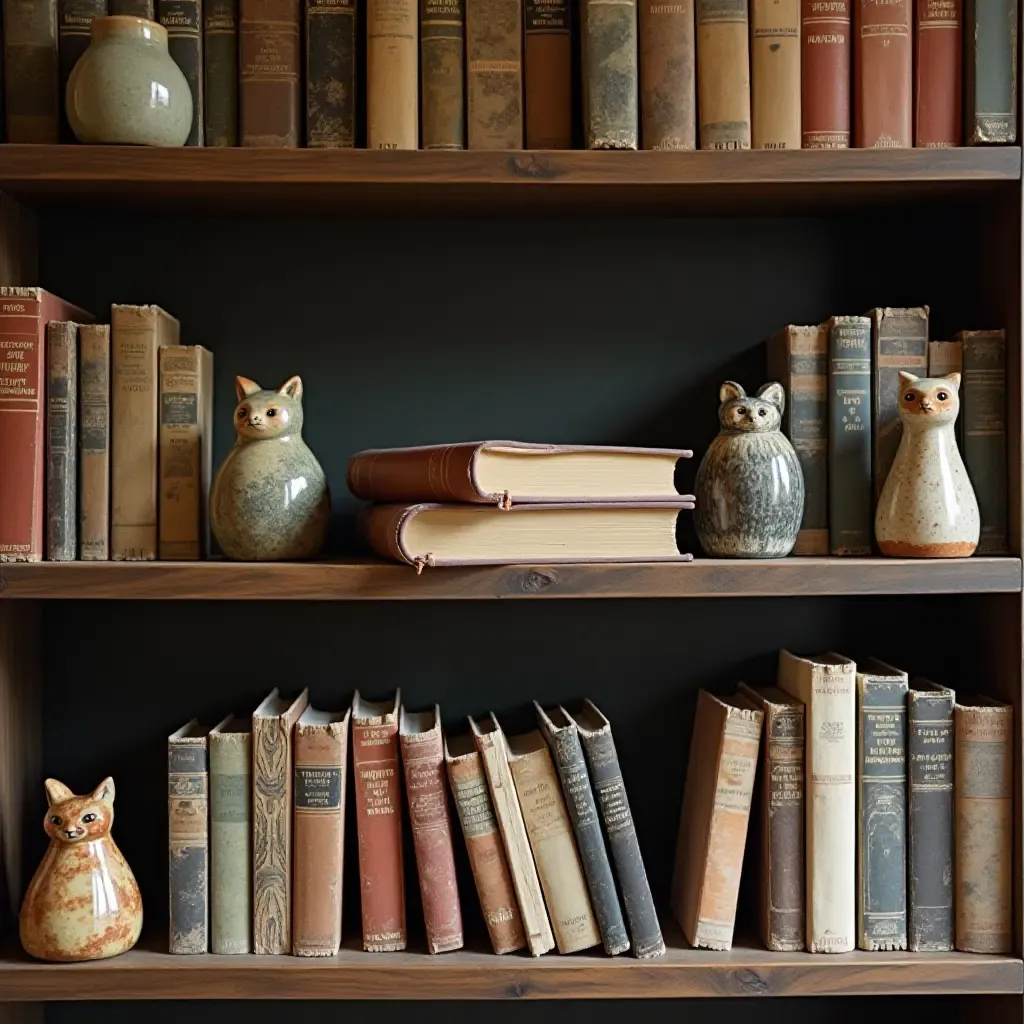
(751, 414)
(267, 414)
(928, 401)
(74, 819)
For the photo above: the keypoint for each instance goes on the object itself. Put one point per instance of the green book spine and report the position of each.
(220, 58)
(990, 78)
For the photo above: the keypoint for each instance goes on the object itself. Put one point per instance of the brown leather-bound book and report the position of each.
(775, 73)
(392, 79)
(825, 48)
(419, 735)
(443, 73)
(494, 73)
(321, 756)
(379, 822)
(31, 70)
(883, 75)
(547, 59)
(723, 74)
(668, 83)
(268, 53)
(938, 75)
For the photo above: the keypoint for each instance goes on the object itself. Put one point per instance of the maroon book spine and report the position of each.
(938, 79)
(825, 74)
(883, 75)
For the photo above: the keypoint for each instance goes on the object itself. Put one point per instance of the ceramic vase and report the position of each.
(126, 88)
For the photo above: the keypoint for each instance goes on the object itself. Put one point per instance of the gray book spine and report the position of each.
(231, 842)
(187, 805)
(611, 118)
(61, 441)
(990, 78)
(94, 442)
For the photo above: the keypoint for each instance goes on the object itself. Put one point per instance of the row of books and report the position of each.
(842, 417)
(861, 778)
(544, 816)
(447, 74)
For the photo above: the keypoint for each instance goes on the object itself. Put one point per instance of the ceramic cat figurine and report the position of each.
(927, 508)
(269, 500)
(750, 487)
(83, 902)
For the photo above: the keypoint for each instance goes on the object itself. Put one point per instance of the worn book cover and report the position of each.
(990, 75)
(883, 61)
(443, 74)
(392, 79)
(94, 442)
(269, 49)
(331, 74)
(494, 73)
(61, 441)
(220, 69)
(611, 80)
(775, 74)
(668, 80)
(938, 74)
(825, 53)
(723, 74)
(547, 73)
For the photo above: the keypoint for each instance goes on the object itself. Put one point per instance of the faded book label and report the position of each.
(317, 787)
(474, 806)
(95, 405)
(229, 799)
(547, 16)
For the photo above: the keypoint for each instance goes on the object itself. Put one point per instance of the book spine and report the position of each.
(230, 846)
(320, 755)
(268, 50)
(442, 73)
(883, 75)
(486, 854)
(984, 829)
(930, 833)
(94, 443)
(61, 441)
(586, 824)
(990, 77)
(547, 70)
(825, 74)
(330, 74)
(183, 20)
(494, 74)
(881, 824)
(187, 792)
(668, 82)
(74, 31)
(379, 821)
(423, 762)
(983, 411)
(775, 74)
(392, 93)
(610, 790)
(938, 76)
(180, 457)
(134, 8)
(851, 510)
(611, 81)
(944, 358)
(723, 74)
(31, 71)
(220, 57)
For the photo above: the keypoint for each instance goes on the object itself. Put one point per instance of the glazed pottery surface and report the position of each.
(927, 508)
(83, 902)
(269, 500)
(126, 88)
(750, 487)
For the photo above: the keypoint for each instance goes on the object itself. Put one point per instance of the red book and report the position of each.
(883, 62)
(938, 81)
(825, 74)
(24, 314)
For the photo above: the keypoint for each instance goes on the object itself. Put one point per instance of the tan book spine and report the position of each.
(668, 100)
(392, 78)
(723, 74)
(494, 73)
(94, 443)
(775, 81)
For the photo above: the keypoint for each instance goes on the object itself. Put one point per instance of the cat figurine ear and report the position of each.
(292, 387)
(56, 792)
(104, 792)
(954, 379)
(774, 393)
(730, 391)
(908, 378)
(245, 387)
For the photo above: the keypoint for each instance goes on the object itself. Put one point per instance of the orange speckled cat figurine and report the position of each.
(83, 902)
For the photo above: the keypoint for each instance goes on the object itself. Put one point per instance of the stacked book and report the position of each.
(502, 502)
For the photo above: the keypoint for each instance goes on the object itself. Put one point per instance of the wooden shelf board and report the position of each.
(428, 183)
(372, 580)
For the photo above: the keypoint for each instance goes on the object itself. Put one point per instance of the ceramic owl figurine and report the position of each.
(750, 488)
(269, 500)
(83, 902)
(927, 508)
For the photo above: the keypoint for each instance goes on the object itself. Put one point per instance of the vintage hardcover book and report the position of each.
(31, 71)
(611, 80)
(825, 48)
(269, 48)
(899, 341)
(419, 736)
(798, 360)
(442, 73)
(668, 81)
(595, 733)
(61, 441)
(930, 817)
(781, 853)
(494, 74)
(220, 70)
(74, 31)
(938, 74)
(492, 747)
(272, 764)
(392, 80)
(563, 738)
(183, 20)
(983, 413)
(186, 451)
(983, 802)
(188, 787)
(547, 70)
(554, 851)
(826, 685)
(137, 335)
(331, 74)
(883, 61)
(713, 822)
(321, 757)
(851, 509)
(944, 358)
(231, 836)
(24, 314)
(723, 74)
(134, 8)
(94, 442)
(882, 805)
(487, 859)
(990, 75)
(775, 74)
(379, 822)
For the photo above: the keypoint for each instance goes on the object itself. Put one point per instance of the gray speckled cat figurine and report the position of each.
(269, 500)
(750, 488)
